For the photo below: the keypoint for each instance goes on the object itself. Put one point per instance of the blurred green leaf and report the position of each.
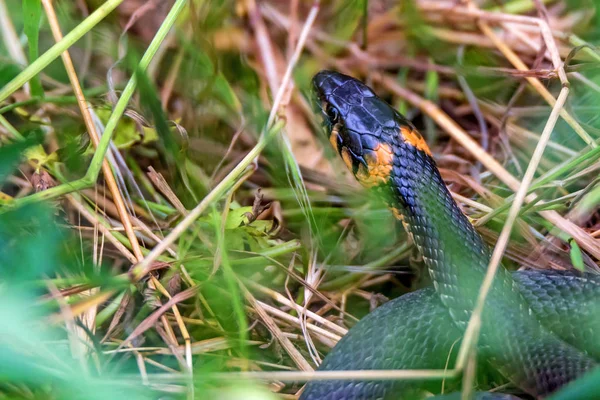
(127, 133)
(576, 256)
(22, 230)
(8, 72)
(348, 16)
(10, 155)
(225, 92)
(585, 388)
(32, 13)
(432, 83)
(237, 216)
(245, 391)
(151, 104)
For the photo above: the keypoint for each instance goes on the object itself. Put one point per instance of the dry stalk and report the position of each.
(331, 337)
(298, 308)
(347, 375)
(184, 332)
(264, 44)
(275, 330)
(105, 229)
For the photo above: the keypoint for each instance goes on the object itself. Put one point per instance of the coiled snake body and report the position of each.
(539, 329)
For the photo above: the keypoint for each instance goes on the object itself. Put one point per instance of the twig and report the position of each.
(275, 330)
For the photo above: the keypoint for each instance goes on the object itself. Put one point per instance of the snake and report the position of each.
(539, 329)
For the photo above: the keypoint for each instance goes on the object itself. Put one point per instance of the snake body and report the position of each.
(539, 328)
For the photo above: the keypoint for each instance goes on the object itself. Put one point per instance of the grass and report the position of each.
(177, 280)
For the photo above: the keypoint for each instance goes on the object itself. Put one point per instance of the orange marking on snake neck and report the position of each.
(379, 167)
(413, 137)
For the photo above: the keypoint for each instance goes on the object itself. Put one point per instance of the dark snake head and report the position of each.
(365, 130)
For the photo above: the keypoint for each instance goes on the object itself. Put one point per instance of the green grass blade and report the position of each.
(32, 14)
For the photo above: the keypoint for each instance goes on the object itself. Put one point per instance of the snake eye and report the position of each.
(333, 114)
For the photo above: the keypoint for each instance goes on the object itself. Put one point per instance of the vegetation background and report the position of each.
(201, 111)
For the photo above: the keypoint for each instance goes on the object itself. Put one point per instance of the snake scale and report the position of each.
(539, 329)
